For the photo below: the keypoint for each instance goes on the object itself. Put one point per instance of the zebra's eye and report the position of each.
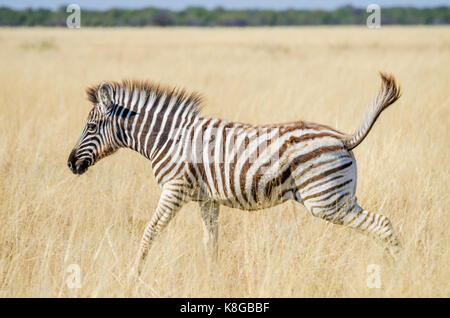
(92, 126)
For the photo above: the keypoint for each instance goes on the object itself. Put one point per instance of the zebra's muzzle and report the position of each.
(77, 166)
(81, 166)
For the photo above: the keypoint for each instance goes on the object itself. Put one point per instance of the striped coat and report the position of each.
(217, 162)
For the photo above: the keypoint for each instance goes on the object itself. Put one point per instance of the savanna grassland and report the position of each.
(50, 218)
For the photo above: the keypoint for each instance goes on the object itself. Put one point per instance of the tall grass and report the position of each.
(50, 219)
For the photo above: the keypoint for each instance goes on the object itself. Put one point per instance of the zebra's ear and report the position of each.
(105, 95)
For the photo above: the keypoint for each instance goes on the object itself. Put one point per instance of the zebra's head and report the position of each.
(96, 140)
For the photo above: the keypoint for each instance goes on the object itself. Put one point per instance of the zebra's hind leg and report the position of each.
(210, 216)
(348, 213)
(374, 224)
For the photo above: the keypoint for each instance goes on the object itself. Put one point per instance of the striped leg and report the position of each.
(210, 216)
(170, 202)
(349, 213)
(375, 225)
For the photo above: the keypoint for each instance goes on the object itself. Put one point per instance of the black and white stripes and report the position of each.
(218, 162)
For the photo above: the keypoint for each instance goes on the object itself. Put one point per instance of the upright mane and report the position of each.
(183, 99)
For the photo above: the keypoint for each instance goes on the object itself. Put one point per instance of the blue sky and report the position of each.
(254, 4)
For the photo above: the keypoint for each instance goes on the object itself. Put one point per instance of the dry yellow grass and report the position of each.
(50, 218)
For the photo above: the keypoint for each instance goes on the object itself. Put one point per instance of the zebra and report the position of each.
(218, 162)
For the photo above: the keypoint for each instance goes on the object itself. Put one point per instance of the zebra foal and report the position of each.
(217, 162)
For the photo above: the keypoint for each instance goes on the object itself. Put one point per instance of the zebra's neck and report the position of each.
(151, 120)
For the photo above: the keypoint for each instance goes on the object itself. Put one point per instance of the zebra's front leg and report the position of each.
(170, 202)
(210, 216)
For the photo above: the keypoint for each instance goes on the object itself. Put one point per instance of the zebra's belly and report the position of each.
(278, 195)
(252, 206)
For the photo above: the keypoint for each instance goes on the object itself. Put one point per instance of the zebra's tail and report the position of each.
(388, 94)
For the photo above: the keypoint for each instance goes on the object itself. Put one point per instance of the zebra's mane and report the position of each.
(191, 100)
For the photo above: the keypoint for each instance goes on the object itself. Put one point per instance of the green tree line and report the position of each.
(196, 16)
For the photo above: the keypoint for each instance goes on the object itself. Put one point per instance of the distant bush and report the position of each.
(195, 16)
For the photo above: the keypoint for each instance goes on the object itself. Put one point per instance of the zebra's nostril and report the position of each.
(69, 164)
